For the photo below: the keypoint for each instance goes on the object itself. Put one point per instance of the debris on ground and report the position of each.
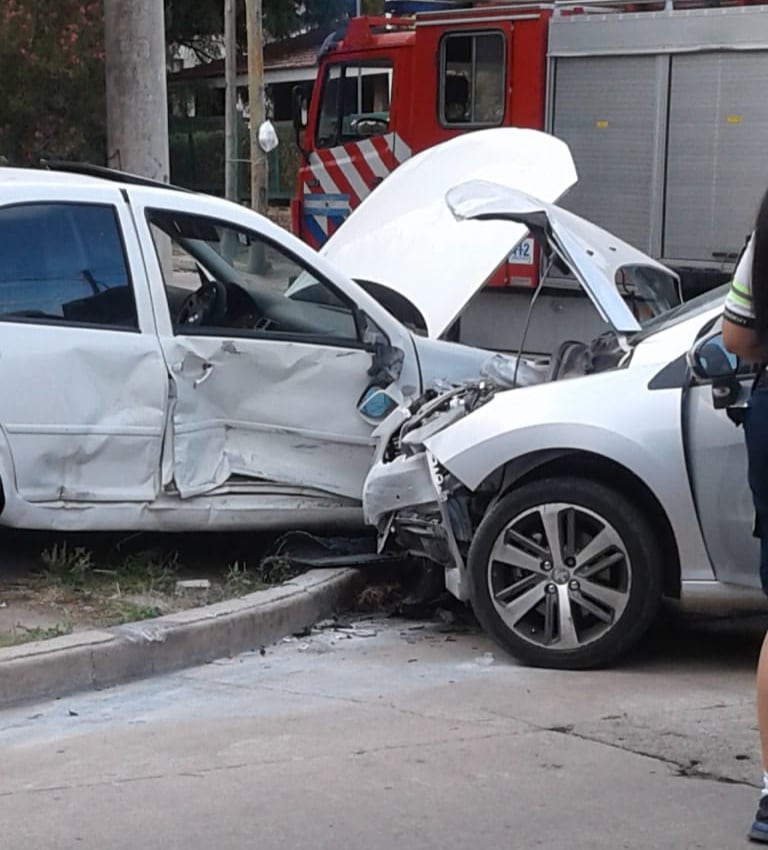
(53, 585)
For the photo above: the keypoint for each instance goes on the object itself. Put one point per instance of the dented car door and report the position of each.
(265, 384)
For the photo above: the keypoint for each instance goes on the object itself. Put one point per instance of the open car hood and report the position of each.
(404, 235)
(626, 286)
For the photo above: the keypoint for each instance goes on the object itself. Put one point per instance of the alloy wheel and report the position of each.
(559, 576)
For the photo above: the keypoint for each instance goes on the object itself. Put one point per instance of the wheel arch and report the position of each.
(550, 463)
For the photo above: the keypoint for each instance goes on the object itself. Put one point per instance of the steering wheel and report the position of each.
(205, 306)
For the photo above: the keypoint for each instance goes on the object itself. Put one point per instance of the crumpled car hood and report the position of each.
(598, 258)
(405, 236)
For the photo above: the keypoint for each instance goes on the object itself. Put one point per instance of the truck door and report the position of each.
(354, 147)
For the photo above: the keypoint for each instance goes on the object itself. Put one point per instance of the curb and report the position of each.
(98, 659)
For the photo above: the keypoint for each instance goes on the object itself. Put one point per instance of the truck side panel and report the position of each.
(606, 107)
(716, 165)
(667, 117)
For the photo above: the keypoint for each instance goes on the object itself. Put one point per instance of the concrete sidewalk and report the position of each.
(100, 658)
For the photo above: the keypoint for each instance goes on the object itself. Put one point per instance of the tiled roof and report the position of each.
(290, 53)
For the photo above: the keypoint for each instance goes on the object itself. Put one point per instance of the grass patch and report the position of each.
(21, 634)
(133, 612)
(76, 569)
(84, 582)
(240, 580)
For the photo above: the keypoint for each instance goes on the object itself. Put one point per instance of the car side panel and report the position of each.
(84, 404)
(717, 458)
(611, 415)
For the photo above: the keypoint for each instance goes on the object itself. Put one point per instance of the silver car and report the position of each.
(565, 511)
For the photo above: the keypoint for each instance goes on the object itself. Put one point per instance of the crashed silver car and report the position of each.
(564, 510)
(173, 361)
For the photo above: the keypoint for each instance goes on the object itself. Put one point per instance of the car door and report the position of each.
(82, 379)
(717, 461)
(268, 382)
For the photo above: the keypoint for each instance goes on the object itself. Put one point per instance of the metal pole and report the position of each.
(256, 108)
(230, 106)
(137, 95)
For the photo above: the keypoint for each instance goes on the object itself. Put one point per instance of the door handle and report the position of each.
(207, 369)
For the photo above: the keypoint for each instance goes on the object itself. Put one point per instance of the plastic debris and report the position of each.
(193, 584)
(268, 139)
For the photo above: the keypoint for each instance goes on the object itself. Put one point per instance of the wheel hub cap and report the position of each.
(559, 575)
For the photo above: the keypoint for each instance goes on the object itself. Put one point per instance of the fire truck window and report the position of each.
(472, 79)
(354, 103)
(327, 124)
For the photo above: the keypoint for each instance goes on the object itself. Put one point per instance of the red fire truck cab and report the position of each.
(389, 87)
(661, 102)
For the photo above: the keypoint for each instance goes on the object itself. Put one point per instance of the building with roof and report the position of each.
(196, 101)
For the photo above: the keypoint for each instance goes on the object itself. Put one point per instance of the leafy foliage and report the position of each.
(193, 22)
(52, 64)
(52, 68)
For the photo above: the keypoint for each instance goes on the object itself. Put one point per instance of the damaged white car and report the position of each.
(172, 361)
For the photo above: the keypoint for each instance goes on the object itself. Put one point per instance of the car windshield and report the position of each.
(649, 292)
(688, 310)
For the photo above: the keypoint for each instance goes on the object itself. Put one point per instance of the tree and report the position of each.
(52, 68)
(195, 22)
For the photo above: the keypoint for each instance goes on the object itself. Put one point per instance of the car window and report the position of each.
(472, 74)
(224, 280)
(64, 263)
(687, 310)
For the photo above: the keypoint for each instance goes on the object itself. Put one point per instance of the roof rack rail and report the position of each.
(103, 172)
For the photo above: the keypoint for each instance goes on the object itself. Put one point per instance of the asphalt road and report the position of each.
(397, 735)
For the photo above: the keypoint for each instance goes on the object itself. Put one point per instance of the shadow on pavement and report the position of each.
(700, 643)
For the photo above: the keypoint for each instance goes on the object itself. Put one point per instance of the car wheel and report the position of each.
(565, 573)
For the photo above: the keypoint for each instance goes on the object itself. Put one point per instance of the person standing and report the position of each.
(745, 334)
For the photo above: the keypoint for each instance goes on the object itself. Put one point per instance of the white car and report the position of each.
(172, 361)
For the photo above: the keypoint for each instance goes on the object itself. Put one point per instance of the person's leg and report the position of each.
(756, 434)
(762, 701)
(759, 830)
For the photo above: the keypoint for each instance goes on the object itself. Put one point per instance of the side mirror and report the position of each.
(376, 404)
(299, 113)
(709, 360)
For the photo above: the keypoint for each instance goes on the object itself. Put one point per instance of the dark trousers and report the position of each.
(756, 435)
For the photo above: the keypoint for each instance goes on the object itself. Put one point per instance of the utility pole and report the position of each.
(137, 95)
(230, 106)
(256, 108)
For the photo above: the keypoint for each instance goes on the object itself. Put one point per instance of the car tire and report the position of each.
(579, 603)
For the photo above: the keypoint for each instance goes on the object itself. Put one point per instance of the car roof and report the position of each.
(46, 177)
(77, 174)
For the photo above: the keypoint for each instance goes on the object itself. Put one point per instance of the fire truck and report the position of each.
(663, 104)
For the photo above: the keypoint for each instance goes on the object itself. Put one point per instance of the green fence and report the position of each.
(197, 158)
